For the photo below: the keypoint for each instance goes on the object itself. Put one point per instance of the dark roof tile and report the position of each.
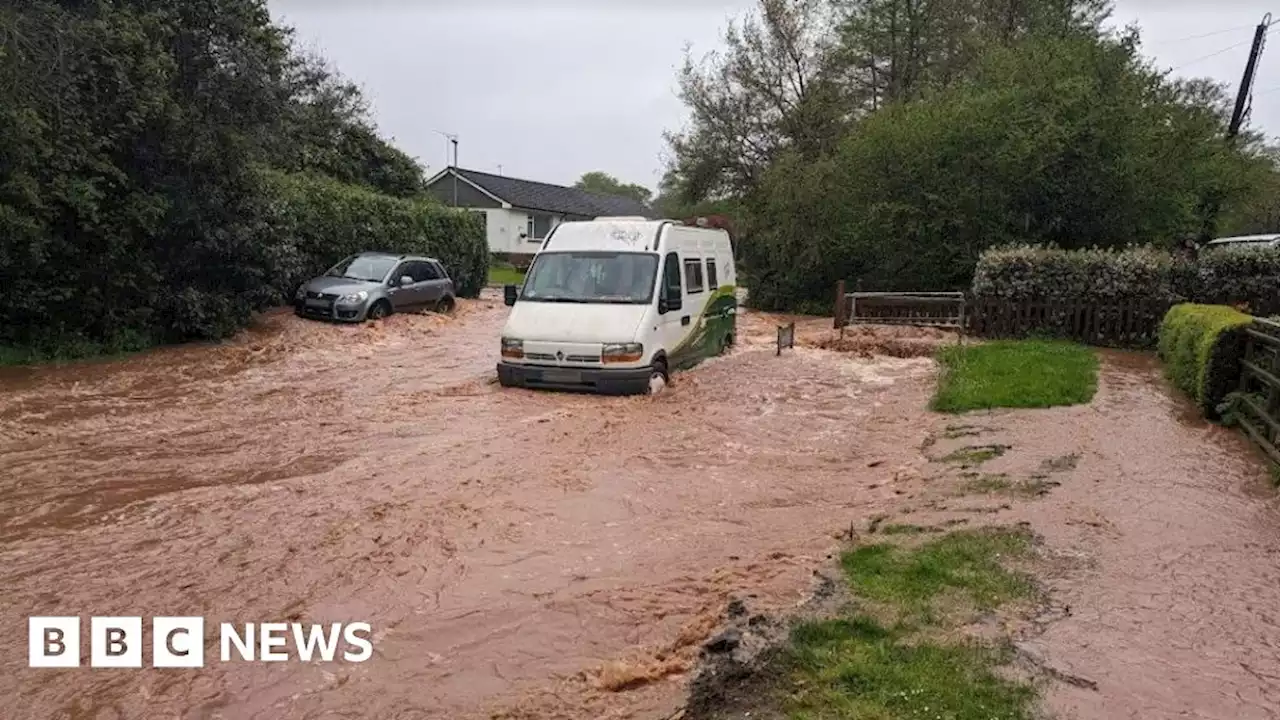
(553, 198)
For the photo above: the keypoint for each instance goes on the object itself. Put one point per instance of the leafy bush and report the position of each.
(1228, 276)
(1032, 272)
(317, 221)
(131, 210)
(1249, 275)
(1201, 346)
(1073, 142)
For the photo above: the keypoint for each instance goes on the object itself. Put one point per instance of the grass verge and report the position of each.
(71, 352)
(1015, 374)
(505, 276)
(895, 656)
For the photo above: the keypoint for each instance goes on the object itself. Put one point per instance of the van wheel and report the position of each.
(380, 310)
(446, 305)
(659, 378)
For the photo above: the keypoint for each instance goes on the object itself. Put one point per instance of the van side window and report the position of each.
(671, 277)
(693, 275)
(712, 281)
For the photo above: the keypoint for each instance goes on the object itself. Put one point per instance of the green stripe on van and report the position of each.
(709, 331)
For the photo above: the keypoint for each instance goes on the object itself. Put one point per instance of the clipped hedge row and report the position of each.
(317, 221)
(1235, 276)
(1249, 276)
(1202, 346)
(1033, 272)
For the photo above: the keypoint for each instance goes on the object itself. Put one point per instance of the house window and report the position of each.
(537, 227)
(693, 275)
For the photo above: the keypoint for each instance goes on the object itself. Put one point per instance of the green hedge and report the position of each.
(1227, 276)
(1201, 346)
(1031, 272)
(317, 222)
(1249, 275)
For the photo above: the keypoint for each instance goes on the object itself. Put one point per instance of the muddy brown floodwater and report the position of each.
(517, 553)
(1163, 539)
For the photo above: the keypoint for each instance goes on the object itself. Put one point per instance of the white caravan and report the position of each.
(613, 305)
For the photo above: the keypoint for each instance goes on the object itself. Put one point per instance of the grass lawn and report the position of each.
(505, 276)
(896, 653)
(1015, 374)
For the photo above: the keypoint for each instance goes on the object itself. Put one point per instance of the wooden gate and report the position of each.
(1257, 404)
(931, 309)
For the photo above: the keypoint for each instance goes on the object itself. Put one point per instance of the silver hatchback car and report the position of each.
(370, 286)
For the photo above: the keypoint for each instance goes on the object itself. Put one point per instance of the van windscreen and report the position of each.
(592, 277)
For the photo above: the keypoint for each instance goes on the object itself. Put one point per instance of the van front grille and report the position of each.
(549, 357)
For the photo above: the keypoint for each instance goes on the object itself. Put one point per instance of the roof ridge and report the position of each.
(517, 179)
(538, 195)
(540, 182)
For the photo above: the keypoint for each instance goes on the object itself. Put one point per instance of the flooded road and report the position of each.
(1163, 534)
(518, 554)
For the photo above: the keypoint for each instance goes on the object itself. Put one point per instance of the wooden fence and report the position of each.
(1257, 406)
(1132, 323)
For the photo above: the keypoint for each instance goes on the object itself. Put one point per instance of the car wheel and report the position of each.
(446, 305)
(658, 379)
(379, 310)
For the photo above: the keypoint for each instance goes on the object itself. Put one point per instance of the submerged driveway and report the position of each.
(520, 553)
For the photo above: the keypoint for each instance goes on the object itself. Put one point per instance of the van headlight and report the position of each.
(512, 348)
(622, 352)
(354, 297)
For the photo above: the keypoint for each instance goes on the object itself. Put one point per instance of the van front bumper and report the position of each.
(338, 312)
(606, 381)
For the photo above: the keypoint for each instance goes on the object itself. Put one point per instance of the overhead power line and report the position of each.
(1216, 53)
(1201, 36)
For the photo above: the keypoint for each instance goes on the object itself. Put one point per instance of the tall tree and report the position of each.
(326, 129)
(132, 139)
(1073, 141)
(893, 49)
(768, 89)
(797, 74)
(603, 183)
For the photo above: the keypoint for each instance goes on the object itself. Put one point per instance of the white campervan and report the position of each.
(615, 304)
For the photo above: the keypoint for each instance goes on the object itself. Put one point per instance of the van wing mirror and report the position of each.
(509, 294)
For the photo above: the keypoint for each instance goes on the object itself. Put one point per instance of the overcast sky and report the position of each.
(549, 90)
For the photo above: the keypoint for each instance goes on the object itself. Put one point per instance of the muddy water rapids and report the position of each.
(516, 553)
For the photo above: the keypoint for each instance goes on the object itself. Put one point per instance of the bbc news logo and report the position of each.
(179, 642)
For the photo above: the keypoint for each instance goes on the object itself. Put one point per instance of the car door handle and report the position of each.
(684, 320)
